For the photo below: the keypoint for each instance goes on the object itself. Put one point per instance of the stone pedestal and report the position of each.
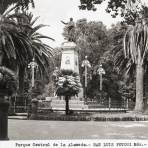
(69, 60)
(34, 108)
(4, 106)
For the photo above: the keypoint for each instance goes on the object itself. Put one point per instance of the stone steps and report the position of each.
(18, 117)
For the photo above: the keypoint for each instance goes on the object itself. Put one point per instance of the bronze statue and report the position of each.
(70, 30)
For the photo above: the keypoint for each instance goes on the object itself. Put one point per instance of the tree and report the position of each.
(17, 4)
(91, 38)
(135, 40)
(128, 9)
(67, 84)
(12, 39)
(41, 52)
(18, 38)
(8, 83)
(132, 57)
(135, 49)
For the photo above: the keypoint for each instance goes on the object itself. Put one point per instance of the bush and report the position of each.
(8, 81)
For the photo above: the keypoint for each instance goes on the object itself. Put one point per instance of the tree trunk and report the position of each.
(21, 79)
(145, 93)
(139, 106)
(67, 105)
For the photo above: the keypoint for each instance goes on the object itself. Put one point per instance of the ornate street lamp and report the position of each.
(101, 72)
(32, 65)
(55, 79)
(86, 65)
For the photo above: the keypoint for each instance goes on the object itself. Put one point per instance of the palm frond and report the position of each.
(135, 42)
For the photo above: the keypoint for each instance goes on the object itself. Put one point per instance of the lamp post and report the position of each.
(101, 72)
(34, 102)
(86, 65)
(32, 65)
(55, 79)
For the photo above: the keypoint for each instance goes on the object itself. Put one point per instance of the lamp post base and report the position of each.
(4, 106)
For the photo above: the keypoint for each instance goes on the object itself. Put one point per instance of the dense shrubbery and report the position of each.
(8, 82)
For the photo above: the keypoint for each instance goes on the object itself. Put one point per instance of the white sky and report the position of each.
(51, 12)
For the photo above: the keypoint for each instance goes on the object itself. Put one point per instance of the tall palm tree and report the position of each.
(20, 42)
(9, 28)
(42, 52)
(14, 44)
(136, 52)
(12, 40)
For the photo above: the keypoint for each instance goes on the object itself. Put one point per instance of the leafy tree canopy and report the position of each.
(18, 4)
(129, 9)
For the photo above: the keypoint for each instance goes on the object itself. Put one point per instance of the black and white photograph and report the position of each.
(74, 73)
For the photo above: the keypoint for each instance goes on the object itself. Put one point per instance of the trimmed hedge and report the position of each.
(93, 117)
(126, 118)
(64, 118)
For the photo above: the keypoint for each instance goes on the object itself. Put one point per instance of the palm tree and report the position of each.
(8, 26)
(67, 84)
(41, 52)
(13, 43)
(131, 57)
(19, 37)
(136, 50)
(8, 82)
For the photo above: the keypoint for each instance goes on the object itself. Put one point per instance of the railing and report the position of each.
(106, 105)
(18, 109)
(122, 104)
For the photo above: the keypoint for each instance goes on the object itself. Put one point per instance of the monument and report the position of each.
(70, 62)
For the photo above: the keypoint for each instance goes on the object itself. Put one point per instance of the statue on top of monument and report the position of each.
(69, 30)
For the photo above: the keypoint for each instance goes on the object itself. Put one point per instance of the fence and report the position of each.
(106, 105)
(109, 103)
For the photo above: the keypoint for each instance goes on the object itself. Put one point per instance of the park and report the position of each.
(93, 85)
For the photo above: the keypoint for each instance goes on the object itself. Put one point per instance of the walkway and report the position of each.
(35, 130)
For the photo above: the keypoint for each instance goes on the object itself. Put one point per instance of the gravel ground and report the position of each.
(39, 130)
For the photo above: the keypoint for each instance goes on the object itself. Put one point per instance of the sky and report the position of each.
(51, 12)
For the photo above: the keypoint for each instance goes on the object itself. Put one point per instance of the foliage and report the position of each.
(57, 56)
(8, 81)
(135, 42)
(132, 54)
(42, 52)
(91, 40)
(95, 41)
(128, 91)
(18, 31)
(17, 4)
(128, 9)
(67, 83)
(136, 51)
(12, 40)
(117, 67)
